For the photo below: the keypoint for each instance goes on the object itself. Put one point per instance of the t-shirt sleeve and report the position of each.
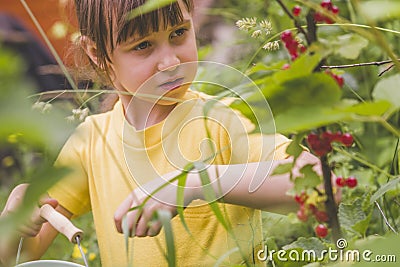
(267, 147)
(72, 191)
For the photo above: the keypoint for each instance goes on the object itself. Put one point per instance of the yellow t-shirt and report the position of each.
(110, 158)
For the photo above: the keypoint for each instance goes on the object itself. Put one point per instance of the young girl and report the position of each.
(155, 129)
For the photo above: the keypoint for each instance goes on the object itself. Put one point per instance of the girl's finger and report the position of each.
(29, 231)
(133, 218)
(121, 211)
(15, 199)
(36, 218)
(47, 200)
(154, 228)
(142, 225)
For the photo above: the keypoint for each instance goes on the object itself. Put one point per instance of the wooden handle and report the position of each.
(61, 223)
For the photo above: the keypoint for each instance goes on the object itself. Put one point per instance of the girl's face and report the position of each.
(152, 64)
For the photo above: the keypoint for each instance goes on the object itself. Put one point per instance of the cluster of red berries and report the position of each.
(350, 182)
(321, 144)
(292, 45)
(305, 210)
(326, 4)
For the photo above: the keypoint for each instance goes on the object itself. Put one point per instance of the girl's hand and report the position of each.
(142, 221)
(33, 225)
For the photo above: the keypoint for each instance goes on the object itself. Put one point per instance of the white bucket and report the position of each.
(49, 263)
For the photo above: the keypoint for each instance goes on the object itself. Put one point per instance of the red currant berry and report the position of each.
(319, 17)
(321, 216)
(292, 46)
(286, 36)
(294, 56)
(313, 139)
(327, 4)
(335, 10)
(347, 139)
(338, 136)
(312, 208)
(328, 136)
(351, 182)
(286, 67)
(302, 48)
(321, 230)
(328, 20)
(340, 181)
(301, 215)
(296, 11)
(301, 198)
(339, 80)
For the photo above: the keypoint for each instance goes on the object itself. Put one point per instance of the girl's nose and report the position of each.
(168, 63)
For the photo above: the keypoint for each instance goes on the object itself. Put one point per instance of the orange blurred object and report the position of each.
(48, 13)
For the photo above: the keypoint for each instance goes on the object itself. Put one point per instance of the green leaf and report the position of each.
(353, 218)
(380, 10)
(180, 199)
(165, 217)
(209, 193)
(311, 243)
(348, 46)
(126, 233)
(384, 188)
(302, 92)
(261, 67)
(388, 89)
(283, 168)
(310, 180)
(375, 246)
(301, 119)
(294, 148)
(370, 108)
(148, 7)
(302, 67)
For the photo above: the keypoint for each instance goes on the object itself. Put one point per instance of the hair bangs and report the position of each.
(142, 25)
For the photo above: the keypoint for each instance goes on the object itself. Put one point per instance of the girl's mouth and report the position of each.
(171, 85)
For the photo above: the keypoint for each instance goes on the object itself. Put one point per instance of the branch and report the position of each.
(296, 22)
(386, 70)
(376, 63)
(330, 203)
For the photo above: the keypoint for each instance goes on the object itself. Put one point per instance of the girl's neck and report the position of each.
(142, 114)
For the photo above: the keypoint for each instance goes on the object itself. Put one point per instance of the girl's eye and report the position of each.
(178, 32)
(142, 46)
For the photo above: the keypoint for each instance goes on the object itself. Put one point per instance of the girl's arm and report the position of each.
(37, 233)
(250, 185)
(253, 185)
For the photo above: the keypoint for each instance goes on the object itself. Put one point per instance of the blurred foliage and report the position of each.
(31, 135)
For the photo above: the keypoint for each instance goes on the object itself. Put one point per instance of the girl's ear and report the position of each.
(90, 48)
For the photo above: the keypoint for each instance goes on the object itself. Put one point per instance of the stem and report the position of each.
(312, 27)
(330, 203)
(363, 161)
(296, 22)
(384, 217)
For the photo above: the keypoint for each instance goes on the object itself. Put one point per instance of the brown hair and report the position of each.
(106, 23)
